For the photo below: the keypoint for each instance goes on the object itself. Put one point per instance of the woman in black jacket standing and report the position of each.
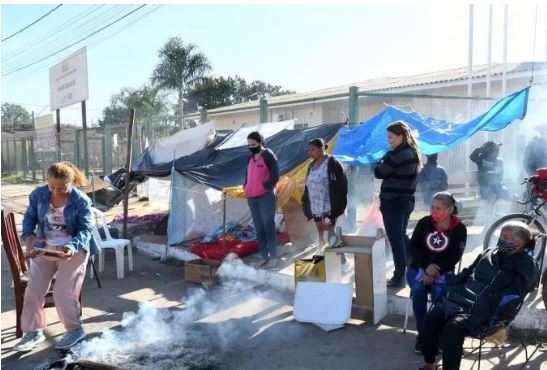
(399, 171)
(325, 195)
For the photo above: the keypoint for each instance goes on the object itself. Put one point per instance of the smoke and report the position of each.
(210, 323)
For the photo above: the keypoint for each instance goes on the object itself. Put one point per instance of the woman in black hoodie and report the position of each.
(325, 195)
(436, 246)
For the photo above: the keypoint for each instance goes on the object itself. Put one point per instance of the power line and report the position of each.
(40, 41)
(45, 46)
(74, 43)
(91, 45)
(33, 23)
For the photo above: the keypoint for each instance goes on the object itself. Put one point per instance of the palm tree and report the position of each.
(180, 66)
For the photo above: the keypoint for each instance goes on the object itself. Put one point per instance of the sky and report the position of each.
(300, 47)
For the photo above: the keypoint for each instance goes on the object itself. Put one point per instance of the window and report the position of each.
(300, 126)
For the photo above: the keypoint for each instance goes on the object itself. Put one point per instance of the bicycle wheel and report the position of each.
(493, 233)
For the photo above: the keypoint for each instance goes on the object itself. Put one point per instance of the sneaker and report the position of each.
(395, 283)
(29, 341)
(418, 346)
(70, 338)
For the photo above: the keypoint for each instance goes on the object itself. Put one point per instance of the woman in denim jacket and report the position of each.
(57, 233)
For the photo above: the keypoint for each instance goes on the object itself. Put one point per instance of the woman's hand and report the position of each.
(428, 280)
(67, 253)
(433, 270)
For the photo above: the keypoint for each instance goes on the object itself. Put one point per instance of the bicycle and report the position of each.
(535, 216)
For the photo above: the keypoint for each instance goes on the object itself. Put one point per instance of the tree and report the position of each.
(181, 67)
(151, 110)
(15, 118)
(214, 92)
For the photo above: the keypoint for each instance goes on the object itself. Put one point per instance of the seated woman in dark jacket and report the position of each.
(473, 296)
(436, 246)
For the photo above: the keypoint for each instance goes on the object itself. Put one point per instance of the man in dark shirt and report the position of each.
(490, 168)
(535, 155)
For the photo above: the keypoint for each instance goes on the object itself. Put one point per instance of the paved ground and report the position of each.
(234, 326)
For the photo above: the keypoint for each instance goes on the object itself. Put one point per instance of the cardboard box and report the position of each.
(201, 271)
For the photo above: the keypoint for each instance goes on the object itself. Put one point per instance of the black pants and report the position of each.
(451, 332)
(396, 213)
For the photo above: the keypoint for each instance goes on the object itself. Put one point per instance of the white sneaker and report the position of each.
(29, 341)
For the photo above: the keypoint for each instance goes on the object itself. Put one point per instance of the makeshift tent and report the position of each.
(197, 176)
(367, 143)
(197, 204)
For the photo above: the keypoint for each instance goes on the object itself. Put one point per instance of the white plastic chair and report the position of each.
(117, 244)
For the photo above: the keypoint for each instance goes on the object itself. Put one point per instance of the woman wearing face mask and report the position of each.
(398, 170)
(436, 246)
(262, 175)
(325, 194)
(57, 233)
(475, 295)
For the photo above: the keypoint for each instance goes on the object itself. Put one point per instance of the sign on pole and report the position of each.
(45, 133)
(68, 81)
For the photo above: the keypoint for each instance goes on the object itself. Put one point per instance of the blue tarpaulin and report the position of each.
(367, 143)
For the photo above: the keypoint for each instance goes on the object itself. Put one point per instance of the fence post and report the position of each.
(353, 113)
(15, 157)
(8, 161)
(32, 159)
(77, 148)
(24, 157)
(107, 154)
(263, 110)
(203, 115)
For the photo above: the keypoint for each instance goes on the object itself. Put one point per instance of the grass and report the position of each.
(18, 179)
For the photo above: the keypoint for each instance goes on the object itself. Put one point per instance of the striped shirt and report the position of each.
(399, 171)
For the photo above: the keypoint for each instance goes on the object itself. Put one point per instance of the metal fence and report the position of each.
(29, 154)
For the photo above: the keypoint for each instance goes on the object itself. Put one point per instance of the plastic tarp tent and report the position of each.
(367, 143)
(175, 146)
(199, 178)
(239, 137)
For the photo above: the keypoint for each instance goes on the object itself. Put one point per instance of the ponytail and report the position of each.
(67, 171)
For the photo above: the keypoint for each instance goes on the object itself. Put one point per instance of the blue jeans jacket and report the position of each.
(78, 218)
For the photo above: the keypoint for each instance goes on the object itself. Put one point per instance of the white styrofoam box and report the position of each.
(324, 303)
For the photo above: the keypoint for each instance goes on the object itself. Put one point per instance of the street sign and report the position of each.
(44, 121)
(68, 82)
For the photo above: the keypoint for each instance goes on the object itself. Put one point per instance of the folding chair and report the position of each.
(496, 325)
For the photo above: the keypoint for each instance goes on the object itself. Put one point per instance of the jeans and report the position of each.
(452, 332)
(419, 296)
(396, 213)
(263, 214)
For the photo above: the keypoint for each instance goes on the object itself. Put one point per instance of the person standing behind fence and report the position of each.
(58, 219)
(432, 178)
(262, 175)
(436, 246)
(399, 171)
(490, 169)
(326, 191)
(535, 155)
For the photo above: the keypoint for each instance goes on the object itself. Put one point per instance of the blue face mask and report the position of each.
(505, 247)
